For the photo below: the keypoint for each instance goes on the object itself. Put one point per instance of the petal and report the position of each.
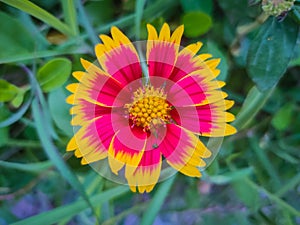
(164, 34)
(100, 89)
(162, 50)
(72, 87)
(126, 148)
(206, 120)
(192, 90)
(152, 34)
(118, 57)
(95, 86)
(85, 111)
(93, 139)
(145, 176)
(184, 151)
(177, 34)
(188, 62)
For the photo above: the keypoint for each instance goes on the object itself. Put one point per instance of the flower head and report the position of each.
(277, 7)
(137, 117)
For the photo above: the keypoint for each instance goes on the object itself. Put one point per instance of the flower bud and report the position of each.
(277, 7)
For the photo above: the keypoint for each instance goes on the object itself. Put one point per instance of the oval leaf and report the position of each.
(271, 51)
(8, 91)
(54, 73)
(196, 23)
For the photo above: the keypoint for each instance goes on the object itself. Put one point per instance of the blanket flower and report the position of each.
(138, 113)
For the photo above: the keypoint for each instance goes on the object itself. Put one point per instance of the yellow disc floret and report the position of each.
(149, 107)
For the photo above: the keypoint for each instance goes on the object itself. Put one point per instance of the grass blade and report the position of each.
(28, 167)
(274, 198)
(59, 213)
(52, 152)
(43, 127)
(265, 162)
(38, 12)
(290, 185)
(70, 15)
(157, 201)
(16, 116)
(86, 23)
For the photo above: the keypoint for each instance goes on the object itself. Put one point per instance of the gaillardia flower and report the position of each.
(136, 113)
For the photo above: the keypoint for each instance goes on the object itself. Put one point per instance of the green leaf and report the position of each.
(60, 110)
(271, 51)
(192, 5)
(283, 118)
(18, 100)
(196, 23)
(8, 91)
(15, 38)
(54, 73)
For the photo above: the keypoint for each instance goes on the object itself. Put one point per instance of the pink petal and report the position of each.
(93, 139)
(161, 57)
(101, 89)
(186, 63)
(192, 90)
(206, 120)
(122, 63)
(126, 148)
(85, 111)
(183, 150)
(146, 174)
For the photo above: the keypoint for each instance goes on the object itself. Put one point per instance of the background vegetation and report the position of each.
(255, 178)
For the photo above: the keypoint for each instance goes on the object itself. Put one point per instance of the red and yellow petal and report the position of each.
(126, 148)
(192, 90)
(118, 57)
(95, 86)
(162, 50)
(184, 151)
(188, 62)
(84, 112)
(145, 176)
(206, 120)
(92, 140)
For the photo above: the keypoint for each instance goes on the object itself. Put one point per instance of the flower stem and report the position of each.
(254, 102)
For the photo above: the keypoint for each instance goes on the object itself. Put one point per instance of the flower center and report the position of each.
(149, 107)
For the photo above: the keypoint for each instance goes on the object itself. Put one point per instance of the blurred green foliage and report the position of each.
(253, 180)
